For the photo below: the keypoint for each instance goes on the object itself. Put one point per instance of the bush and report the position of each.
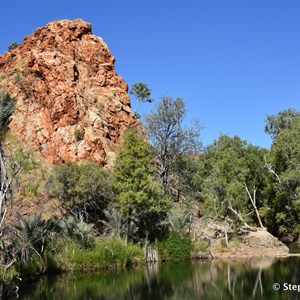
(175, 248)
(9, 275)
(32, 268)
(199, 246)
(81, 232)
(12, 46)
(79, 134)
(85, 189)
(108, 252)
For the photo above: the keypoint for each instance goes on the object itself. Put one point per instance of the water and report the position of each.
(240, 279)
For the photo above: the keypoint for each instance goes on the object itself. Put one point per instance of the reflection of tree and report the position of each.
(151, 271)
(231, 281)
(258, 280)
(243, 279)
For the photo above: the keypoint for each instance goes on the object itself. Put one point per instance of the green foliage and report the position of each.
(79, 231)
(12, 46)
(175, 248)
(136, 190)
(142, 93)
(178, 220)
(7, 105)
(282, 210)
(100, 106)
(9, 275)
(32, 236)
(24, 158)
(114, 224)
(283, 120)
(225, 171)
(198, 246)
(85, 188)
(108, 252)
(31, 178)
(79, 134)
(34, 267)
(171, 140)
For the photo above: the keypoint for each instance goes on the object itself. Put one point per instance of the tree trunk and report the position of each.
(128, 225)
(226, 238)
(253, 202)
(239, 216)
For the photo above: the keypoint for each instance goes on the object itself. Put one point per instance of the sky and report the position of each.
(232, 62)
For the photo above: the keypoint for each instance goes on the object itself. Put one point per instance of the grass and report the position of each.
(199, 246)
(107, 252)
(67, 255)
(21, 63)
(8, 276)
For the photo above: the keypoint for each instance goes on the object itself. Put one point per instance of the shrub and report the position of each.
(80, 231)
(199, 246)
(79, 134)
(100, 106)
(85, 189)
(175, 248)
(12, 46)
(9, 275)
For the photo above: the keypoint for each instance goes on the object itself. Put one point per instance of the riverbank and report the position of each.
(254, 243)
(113, 253)
(232, 278)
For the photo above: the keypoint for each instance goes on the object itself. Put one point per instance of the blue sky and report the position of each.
(233, 62)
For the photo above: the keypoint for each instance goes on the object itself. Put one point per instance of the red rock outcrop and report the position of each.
(72, 106)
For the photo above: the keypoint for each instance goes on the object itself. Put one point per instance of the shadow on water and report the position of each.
(231, 279)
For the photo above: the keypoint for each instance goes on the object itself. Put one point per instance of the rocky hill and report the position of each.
(72, 105)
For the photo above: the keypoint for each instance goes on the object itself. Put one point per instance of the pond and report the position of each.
(263, 278)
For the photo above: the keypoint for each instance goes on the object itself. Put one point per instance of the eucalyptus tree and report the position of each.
(231, 179)
(282, 211)
(283, 120)
(170, 138)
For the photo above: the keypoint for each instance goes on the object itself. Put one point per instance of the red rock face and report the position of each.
(72, 106)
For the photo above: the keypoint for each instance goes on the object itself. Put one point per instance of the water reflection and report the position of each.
(240, 279)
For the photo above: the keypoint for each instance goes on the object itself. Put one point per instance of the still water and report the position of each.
(240, 279)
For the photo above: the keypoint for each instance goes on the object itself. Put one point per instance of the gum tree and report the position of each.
(170, 138)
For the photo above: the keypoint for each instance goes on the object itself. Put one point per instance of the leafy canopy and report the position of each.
(85, 188)
(282, 209)
(138, 195)
(141, 92)
(170, 138)
(283, 120)
(134, 175)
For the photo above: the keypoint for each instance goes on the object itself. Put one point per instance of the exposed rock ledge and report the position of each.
(256, 243)
(243, 243)
(72, 105)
